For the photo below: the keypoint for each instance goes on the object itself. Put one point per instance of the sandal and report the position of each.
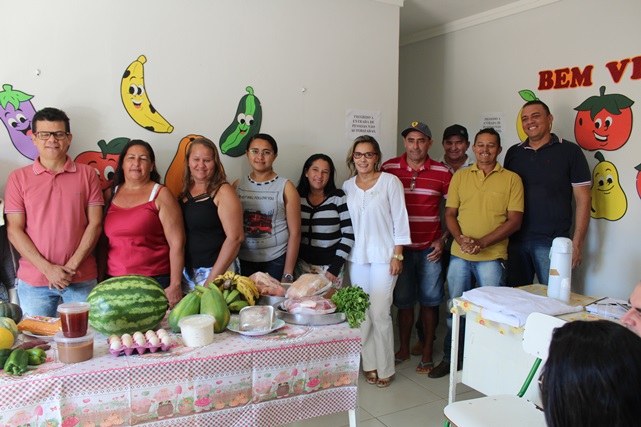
(424, 368)
(371, 377)
(399, 360)
(384, 382)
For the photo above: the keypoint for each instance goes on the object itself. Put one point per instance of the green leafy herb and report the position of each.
(352, 301)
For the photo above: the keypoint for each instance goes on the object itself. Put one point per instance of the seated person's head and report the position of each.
(632, 319)
(592, 376)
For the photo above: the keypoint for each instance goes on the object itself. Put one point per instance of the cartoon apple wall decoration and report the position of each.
(603, 122)
(527, 96)
(105, 160)
(16, 113)
(174, 175)
(608, 199)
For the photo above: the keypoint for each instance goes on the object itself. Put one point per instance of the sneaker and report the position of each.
(441, 370)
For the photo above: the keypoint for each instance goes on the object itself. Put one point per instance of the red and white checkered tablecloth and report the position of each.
(301, 372)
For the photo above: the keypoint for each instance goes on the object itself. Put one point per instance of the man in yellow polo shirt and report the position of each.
(484, 207)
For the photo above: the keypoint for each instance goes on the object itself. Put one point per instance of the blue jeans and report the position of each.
(459, 280)
(420, 280)
(527, 258)
(274, 267)
(42, 301)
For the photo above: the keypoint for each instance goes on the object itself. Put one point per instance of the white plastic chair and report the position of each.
(510, 410)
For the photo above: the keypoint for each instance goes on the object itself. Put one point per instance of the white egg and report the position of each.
(114, 339)
(115, 345)
(138, 335)
(127, 341)
(140, 340)
(150, 334)
(112, 336)
(162, 333)
(166, 340)
(154, 340)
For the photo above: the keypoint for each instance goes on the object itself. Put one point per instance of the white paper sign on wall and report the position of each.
(359, 122)
(493, 120)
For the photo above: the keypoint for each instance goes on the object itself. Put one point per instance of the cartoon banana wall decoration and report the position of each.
(135, 99)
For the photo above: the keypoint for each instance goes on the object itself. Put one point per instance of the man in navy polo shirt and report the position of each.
(553, 171)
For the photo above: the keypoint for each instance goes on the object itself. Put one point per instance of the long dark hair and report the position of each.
(119, 175)
(265, 137)
(217, 179)
(303, 182)
(592, 376)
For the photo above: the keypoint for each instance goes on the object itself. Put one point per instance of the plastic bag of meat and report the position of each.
(309, 305)
(267, 285)
(307, 285)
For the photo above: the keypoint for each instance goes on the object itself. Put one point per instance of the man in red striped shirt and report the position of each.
(426, 183)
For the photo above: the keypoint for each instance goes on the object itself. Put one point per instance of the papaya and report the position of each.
(246, 124)
(187, 306)
(174, 175)
(212, 302)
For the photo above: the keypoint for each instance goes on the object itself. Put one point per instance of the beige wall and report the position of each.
(458, 76)
(200, 57)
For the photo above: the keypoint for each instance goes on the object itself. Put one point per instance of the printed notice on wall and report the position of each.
(492, 120)
(358, 122)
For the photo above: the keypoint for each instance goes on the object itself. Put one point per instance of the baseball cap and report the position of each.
(418, 127)
(456, 130)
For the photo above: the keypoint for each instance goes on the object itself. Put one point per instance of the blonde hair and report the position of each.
(217, 179)
(350, 155)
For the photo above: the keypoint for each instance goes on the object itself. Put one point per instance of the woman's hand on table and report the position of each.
(331, 277)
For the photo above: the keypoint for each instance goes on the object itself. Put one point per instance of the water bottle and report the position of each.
(560, 269)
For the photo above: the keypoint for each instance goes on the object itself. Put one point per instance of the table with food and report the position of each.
(239, 351)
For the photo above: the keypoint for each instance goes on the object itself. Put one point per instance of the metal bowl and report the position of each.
(270, 300)
(309, 319)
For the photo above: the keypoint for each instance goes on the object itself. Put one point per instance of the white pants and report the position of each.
(377, 332)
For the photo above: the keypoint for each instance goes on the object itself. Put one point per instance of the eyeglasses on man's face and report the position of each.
(358, 155)
(256, 151)
(43, 136)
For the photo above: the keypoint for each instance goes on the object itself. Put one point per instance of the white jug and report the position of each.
(560, 268)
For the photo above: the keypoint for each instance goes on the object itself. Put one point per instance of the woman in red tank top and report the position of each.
(143, 226)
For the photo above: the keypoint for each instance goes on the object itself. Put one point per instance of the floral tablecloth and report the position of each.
(474, 313)
(294, 373)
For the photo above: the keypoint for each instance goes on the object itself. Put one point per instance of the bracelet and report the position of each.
(288, 276)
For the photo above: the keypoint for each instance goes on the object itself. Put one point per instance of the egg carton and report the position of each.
(140, 349)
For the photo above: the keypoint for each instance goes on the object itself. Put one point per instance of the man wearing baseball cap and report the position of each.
(455, 145)
(426, 183)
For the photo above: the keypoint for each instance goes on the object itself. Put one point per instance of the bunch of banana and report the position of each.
(238, 291)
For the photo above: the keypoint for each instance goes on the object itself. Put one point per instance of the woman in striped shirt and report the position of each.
(326, 228)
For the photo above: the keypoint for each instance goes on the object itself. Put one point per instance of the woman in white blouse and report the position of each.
(376, 204)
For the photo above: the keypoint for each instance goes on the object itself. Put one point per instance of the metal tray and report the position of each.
(309, 319)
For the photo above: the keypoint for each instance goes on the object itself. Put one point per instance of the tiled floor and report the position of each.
(411, 400)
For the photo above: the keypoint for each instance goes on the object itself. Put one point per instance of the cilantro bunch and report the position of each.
(352, 301)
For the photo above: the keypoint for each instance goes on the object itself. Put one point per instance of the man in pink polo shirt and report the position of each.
(54, 219)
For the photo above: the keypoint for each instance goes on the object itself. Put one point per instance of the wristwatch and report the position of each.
(288, 276)
(398, 257)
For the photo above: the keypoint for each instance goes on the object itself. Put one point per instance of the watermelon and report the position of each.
(126, 304)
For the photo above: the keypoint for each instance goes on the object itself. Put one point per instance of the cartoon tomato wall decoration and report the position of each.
(105, 160)
(603, 122)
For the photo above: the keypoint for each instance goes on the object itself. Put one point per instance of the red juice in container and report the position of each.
(75, 318)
